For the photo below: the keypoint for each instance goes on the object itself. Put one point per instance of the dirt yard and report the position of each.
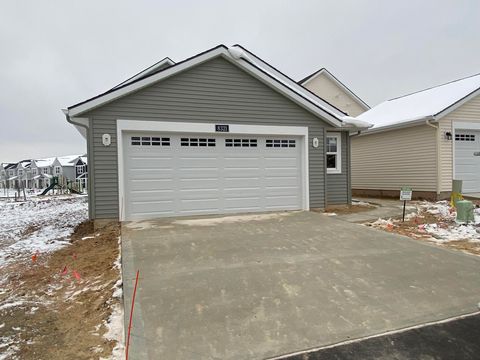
(64, 304)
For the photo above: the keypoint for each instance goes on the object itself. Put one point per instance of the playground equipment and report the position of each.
(63, 186)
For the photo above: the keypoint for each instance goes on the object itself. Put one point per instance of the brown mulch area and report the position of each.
(62, 317)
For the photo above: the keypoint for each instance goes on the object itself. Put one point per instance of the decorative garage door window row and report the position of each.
(150, 141)
(464, 137)
(197, 142)
(241, 142)
(276, 143)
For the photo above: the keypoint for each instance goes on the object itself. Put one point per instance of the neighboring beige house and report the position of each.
(323, 84)
(423, 140)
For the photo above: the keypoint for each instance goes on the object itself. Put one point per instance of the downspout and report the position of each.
(89, 184)
(437, 149)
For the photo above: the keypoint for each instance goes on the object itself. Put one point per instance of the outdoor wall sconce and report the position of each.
(106, 139)
(448, 135)
(315, 142)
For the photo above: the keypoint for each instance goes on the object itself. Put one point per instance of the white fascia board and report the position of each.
(400, 125)
(340, 85)
(265, 77)
(457, 104)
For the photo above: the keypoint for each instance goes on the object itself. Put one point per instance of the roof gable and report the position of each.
(429, 104)
(327, 74)
(248, 62)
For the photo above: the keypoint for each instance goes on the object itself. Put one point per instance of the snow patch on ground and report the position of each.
(445, 229)
(39, 224)
(115, 329)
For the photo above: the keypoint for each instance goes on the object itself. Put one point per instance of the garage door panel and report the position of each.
(188, 180)
(467, 164)
(151, 184)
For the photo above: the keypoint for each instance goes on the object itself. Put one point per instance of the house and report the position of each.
(325, 85)
(42, 172)
(219, 132)
(423, 140)
(81, 170)
(6, 172)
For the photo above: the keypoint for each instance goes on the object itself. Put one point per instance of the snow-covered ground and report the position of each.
(38, 224)
(444, 229)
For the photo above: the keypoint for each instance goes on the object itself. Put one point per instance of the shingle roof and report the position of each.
(424, 104)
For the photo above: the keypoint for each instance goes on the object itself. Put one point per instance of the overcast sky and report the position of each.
(57, 53)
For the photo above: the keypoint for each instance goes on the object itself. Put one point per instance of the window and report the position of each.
(20, 172)
(150, 141)
(45, 170)
(333, 151)
(276, 143)
(241, 142)
(81, 169)
(10, 172)
(34, 171)
(197, 142)
(464, 137)
(58, 170)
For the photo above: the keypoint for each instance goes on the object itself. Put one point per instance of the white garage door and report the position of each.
(467, 159)
(192, 174)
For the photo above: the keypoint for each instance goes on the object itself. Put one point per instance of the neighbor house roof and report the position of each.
(328, 74)
(44, 162)
(67, 160)
(429, 104)
(242, 58)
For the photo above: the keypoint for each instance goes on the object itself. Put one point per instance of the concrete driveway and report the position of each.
(257, 286)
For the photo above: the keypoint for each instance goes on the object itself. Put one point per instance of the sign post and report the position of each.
(405, 195)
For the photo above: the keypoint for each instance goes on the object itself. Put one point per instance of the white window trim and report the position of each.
(59, 168)
(338, 169)
(183, 127)
(81, 169)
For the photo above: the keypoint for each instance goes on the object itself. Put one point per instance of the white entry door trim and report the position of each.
(459, 127)
(124, 125)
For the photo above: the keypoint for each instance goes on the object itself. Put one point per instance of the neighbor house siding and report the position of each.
(391, 159)
(213, 92)
(337, 183)
(468, 112)
(322, 86)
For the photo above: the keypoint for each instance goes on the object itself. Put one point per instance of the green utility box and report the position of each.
(465, 212)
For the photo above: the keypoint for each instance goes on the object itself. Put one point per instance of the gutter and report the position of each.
(81, 124)
(437, 142)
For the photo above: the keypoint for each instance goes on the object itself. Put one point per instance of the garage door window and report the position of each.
(241, 142)
(197, 142)
(333, 146)
(150, 141)
(464, 137)
(276, 143)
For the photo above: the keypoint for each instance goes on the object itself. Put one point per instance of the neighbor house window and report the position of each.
(20, 172)
(11, 172)
(34, 171)
(80, 169)
(333, 148)
(58, 170)
(45, 170)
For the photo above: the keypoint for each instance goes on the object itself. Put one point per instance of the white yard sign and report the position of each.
(406, 193)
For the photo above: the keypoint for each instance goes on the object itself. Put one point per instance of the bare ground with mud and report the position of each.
(56, 315)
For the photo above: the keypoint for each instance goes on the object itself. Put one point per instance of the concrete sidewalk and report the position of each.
(257, 286)
(384, 208)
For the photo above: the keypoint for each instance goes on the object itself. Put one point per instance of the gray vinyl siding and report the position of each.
(338, 185)
(213, 92)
